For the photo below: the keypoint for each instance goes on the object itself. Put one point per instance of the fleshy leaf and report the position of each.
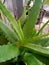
(7, 52)
(9, 33)
(32, 19)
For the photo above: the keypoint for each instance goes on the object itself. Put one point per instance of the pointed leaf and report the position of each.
(32, 18)
(7, 52)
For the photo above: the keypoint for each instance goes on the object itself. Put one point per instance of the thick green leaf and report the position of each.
(9, 33)
(13, 21)
(32, 18)
(32, 60)
(37, 49)
(7, 52)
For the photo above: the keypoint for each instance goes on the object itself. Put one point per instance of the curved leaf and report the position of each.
(8, 52)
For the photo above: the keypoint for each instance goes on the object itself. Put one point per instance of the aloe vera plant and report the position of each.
(23, 46)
